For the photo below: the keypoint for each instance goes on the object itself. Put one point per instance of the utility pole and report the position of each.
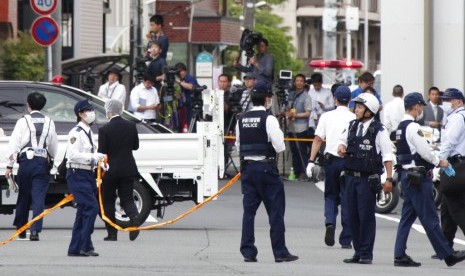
(365, 36)
(329, 28)
(56, 47)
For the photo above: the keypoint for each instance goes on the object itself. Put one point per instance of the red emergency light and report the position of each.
(337, 64)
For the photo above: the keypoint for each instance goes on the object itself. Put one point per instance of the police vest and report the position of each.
(39, 127)
(404, 155)
(361, 151)
(253, 135)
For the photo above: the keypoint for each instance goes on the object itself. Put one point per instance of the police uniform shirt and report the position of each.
(21, 136)
(453, 135)
(141, 96)
(331, 125)
(393, 114)
(382, 141)
(115, 91)
(80, 149)
(275, 135)
(417, 143)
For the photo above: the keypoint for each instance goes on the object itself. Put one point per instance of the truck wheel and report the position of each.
(144, 203)
(388, 202)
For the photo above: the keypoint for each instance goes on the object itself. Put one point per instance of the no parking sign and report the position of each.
(44, 31)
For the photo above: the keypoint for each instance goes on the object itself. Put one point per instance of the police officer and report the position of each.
(366, 146)
(417, 161)
(82, 158)
(259, 139)
(33, 144)
(453, 149)
(330, 126)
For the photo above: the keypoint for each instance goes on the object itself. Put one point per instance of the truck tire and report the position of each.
(144, 203)
(389, 203)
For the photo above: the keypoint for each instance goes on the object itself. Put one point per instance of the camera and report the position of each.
(235, 98)
(141, 67)
(248, 40)
(197, 102)
(283, 85)
(170, 79)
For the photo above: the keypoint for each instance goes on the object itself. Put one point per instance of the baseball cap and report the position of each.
(453, 93)
(262, 88)
(249, 75)
(343, 94)
(413, 99)
(82, 106)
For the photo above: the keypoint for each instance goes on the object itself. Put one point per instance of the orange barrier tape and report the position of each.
(65, 200)
(149, 227)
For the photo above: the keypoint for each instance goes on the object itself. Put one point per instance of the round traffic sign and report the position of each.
(44, 31)
(44, 7)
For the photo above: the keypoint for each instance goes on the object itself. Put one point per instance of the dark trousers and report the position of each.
(452, 214)
(33, 181)
(261, 182)
(361, 201)
(81, 184)
(335, 196)
(418, 202)
(299, 150)
(125, 186)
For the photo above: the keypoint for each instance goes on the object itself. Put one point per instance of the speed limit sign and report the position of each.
(44, 7)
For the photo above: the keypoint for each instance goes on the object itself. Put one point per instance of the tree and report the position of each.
(23, 59)
(279, 42)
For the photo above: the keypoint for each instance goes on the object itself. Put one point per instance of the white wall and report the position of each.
(88, 40)
(403, 46)
(448, 44)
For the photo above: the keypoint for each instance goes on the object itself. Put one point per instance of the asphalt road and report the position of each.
(207, 243)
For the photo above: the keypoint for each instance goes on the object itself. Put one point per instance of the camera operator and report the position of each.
(156, 34)
(299, 110)
(262, 64)
(187, 83)
(144, 100)
(157, 64)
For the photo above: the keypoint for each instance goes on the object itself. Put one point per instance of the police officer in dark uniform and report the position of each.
(417, 161)
(259, 139)
(366, 146)
(82, 159)
(33, 143)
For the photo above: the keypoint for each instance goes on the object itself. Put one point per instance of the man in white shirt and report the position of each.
(330, 127)
(112, 89)
(394, 111)
(322, 100)
(144, 100)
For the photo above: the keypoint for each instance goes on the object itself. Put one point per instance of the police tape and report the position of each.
(285, 139)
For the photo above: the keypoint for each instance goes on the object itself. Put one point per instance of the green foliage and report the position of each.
(268, 24)
(23, 59)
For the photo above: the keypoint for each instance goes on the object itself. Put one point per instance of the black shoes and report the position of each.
(111, 238)
(353, 260)
(22, 235)
(34, 236)
(250, 259)
(91, 253)
(346, 246)
(435, 256)
(329, 235)
(455, 258)
(288, 258)
(406, 261)
(365, 261)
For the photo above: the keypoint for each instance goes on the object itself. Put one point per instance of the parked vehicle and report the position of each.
(172, 166)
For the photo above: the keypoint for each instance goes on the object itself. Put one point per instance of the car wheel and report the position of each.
(144, 203)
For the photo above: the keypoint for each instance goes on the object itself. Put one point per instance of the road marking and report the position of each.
(151, 218)
(321, 186)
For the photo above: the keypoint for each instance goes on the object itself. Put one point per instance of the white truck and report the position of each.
(172, 166)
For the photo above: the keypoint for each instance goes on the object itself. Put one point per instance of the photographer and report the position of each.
(157, 64)
(187, 83)
(156, 34)
(299, 110)
(261, 64)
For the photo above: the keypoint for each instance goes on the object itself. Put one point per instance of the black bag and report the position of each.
(456, 184)
(61, 169)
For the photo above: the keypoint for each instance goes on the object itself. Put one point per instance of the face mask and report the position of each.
(419, 116)
(90, 117)
(447, 106)
(269, 104)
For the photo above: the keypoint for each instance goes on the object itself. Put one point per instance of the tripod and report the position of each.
(196, 117)
(227, 154)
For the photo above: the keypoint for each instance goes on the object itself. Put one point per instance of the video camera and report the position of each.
(283, 85)
(235, 98)
(248, 40)
(170, 79)
(141, 67)
(197, 102)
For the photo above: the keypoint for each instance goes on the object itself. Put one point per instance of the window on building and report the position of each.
(356, 3)
(67, 29)
(373, 6)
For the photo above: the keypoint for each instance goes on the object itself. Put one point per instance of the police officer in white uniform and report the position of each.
(417, 161)
(331, 125)
(82, 159)
(366, 146)
(33, 144)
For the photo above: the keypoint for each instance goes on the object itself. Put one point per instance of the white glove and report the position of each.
(309, 169)
(104, 166)
(12, 186)
(97, 156)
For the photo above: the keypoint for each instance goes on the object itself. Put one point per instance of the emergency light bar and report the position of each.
(337, 64)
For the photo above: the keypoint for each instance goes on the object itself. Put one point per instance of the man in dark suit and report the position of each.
(118, 139)
(433, 113)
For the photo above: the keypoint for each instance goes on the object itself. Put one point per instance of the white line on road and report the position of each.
(321, 186)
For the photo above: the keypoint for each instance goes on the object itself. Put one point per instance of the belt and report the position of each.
(417, 169)
(358, 174)
(37, 152)
(79, 166)
(266, 160)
